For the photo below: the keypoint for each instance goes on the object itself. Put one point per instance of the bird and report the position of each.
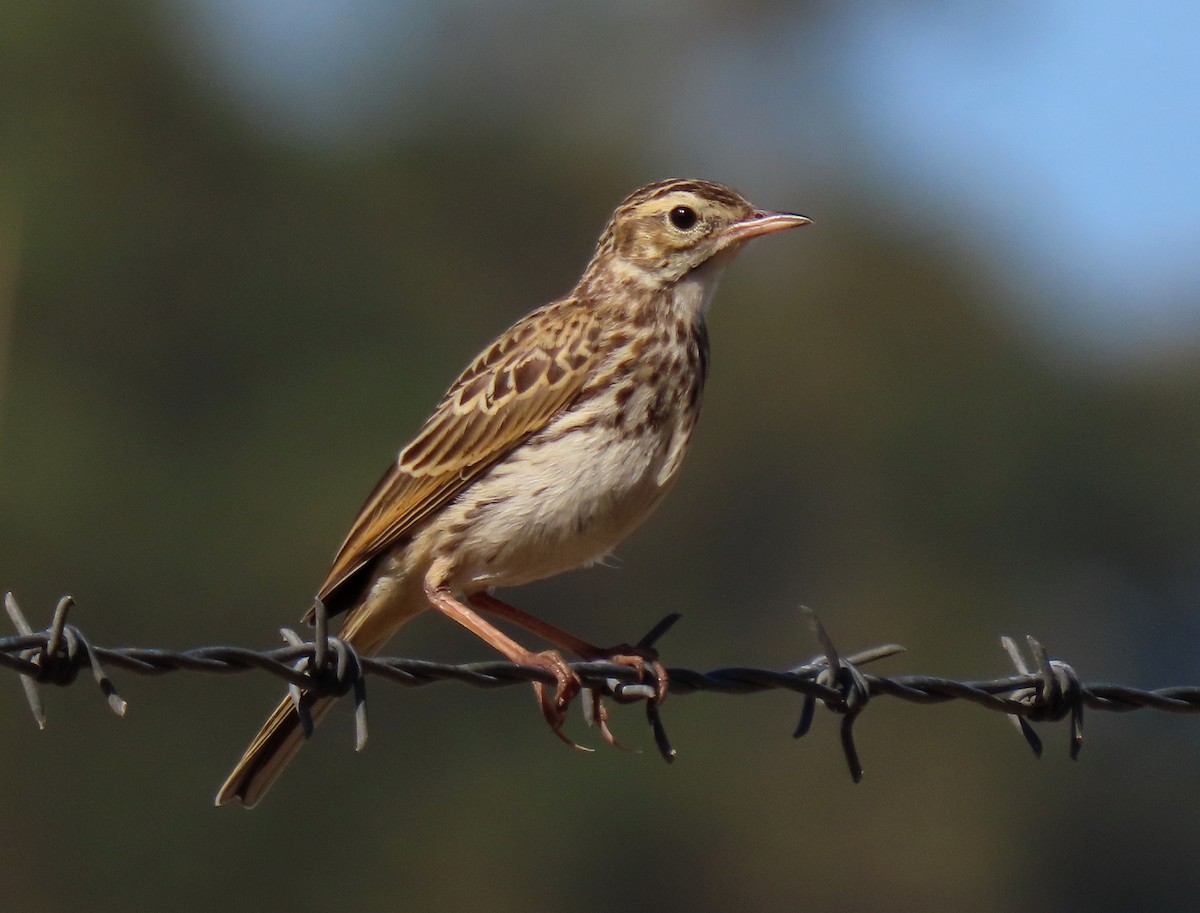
(555, 443)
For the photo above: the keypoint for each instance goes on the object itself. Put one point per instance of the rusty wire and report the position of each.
(1044, 690)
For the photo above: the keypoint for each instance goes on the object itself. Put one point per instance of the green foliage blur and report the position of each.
(213, 340)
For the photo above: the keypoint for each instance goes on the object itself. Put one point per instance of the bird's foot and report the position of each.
(650, 671)
(566, 686)
(642, 659)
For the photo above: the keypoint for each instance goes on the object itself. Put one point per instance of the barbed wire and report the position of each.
(1043, 690)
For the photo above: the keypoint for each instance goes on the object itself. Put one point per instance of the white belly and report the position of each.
(558, 502)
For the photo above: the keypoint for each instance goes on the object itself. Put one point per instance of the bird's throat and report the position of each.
(692, 294)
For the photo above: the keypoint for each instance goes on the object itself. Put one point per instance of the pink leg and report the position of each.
(486, 602)
(623, 654)
(554, 708)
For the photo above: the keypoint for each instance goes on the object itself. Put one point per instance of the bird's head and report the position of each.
(662, 232)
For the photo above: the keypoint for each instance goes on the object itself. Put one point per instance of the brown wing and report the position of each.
(525, 378)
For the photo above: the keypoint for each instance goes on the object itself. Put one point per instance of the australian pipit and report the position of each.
(555, 443)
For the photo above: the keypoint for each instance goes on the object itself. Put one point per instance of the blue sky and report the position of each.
(1071, 129)
(1060, 140)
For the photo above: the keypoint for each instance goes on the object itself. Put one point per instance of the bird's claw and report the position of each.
(554, 704)
(597, 715)
(567, 686)
(642, 659)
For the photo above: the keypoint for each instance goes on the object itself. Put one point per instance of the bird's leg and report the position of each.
(638, 658)
(564, 640)
(623, 654)
(554, 708)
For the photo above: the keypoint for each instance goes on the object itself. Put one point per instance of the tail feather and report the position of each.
(367, 629)
(275, 745)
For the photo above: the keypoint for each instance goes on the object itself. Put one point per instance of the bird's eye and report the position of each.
(683, 217)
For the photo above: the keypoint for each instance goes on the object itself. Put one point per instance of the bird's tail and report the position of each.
(367, 629)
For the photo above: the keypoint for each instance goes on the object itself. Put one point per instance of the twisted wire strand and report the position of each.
(1042, 690)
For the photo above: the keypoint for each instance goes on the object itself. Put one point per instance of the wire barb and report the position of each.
(1055, 694)
(844, 679)
(330, 667)
(1042, 690)
(55, 657)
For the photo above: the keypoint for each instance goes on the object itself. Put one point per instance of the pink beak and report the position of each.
(763, 223)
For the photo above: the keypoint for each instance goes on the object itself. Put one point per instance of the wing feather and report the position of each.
(513, 389)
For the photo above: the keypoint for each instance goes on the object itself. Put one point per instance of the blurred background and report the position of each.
(245, 245)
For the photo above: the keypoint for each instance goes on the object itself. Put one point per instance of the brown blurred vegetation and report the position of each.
(211, 343)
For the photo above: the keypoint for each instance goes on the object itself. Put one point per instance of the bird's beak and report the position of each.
(762, 223)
